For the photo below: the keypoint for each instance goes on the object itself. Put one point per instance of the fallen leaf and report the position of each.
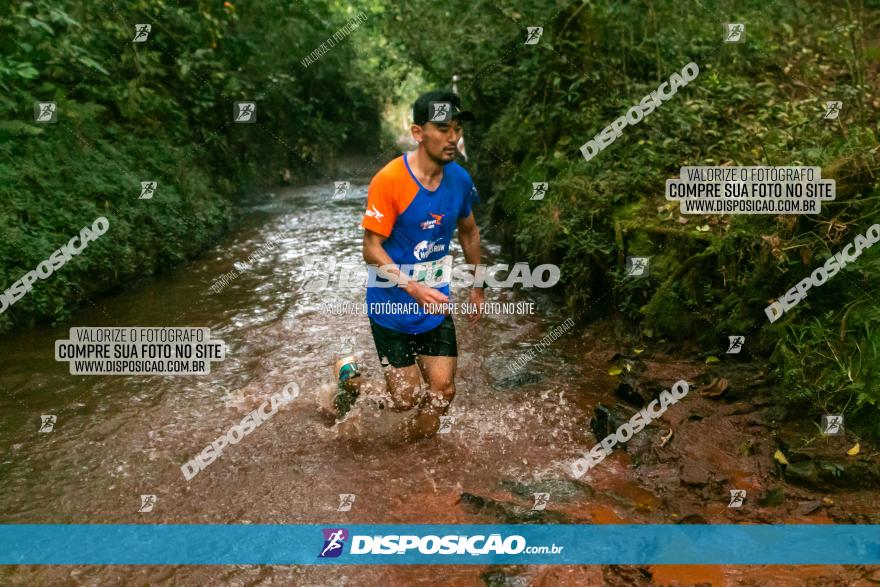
(615, 371)
(712, 359)
(665, 439)
(682, 220)
(780, 457)
(639, 350)
(854, 450)
(715, 388)
(828, 500)
(704, 228)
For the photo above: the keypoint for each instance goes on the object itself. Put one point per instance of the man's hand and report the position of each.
(476, 296)
(469, 236)
(425, 295)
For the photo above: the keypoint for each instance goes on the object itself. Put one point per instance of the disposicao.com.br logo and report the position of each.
(334, 541)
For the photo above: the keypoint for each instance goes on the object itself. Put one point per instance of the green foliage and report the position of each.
(161, 110)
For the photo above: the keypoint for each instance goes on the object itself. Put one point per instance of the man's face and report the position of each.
(439, 139)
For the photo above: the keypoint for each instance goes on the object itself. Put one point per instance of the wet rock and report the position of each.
(694, 474)
(619, 575)
(559, 489)
(773, 497)
(805, 474)
(640, 445)
(510, 513)
(504, 577)
(606, 420)
(808, 507)
(631, 391)
(825, 474)
(661, 475)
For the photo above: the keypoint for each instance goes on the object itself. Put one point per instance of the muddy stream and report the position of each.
(119, 437)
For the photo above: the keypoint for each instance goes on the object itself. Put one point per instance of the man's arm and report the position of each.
(375, 254)
(469, 237)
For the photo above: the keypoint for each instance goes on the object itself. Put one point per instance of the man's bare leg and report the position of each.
(405, 393)
(439, 372)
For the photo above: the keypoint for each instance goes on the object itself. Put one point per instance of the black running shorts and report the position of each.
(399, 349)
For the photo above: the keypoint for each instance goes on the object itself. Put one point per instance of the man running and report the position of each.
(414, 205)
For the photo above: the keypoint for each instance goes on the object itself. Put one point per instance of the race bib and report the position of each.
(434, 273)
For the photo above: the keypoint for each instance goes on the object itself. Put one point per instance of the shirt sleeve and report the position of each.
(381, 209)
(470, 197)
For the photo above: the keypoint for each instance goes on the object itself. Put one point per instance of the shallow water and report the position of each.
(118, 437)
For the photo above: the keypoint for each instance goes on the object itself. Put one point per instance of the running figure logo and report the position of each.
(141, 32)
(45, 112)
(316, 273)
(736, 344)
(346, 346)
(341, 189)
(346, 500)
(637, 266)
(533, 34)
(334, 540)
(47, 423)
(245, 112)
(446, 423)
(147, 503)
(440, 111)
(737, 497)
(147, 189)
(539, 190)
(541, 501)
(735, 32)
(832, 424)
(832, 110)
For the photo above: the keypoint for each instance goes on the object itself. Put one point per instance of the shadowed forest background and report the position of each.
(161, 110)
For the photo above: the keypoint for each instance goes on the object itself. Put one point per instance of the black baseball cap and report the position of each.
(429, 108)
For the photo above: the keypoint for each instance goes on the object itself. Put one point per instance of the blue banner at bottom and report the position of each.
(410, 544)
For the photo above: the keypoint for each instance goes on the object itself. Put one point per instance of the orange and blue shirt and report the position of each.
(418, 225)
